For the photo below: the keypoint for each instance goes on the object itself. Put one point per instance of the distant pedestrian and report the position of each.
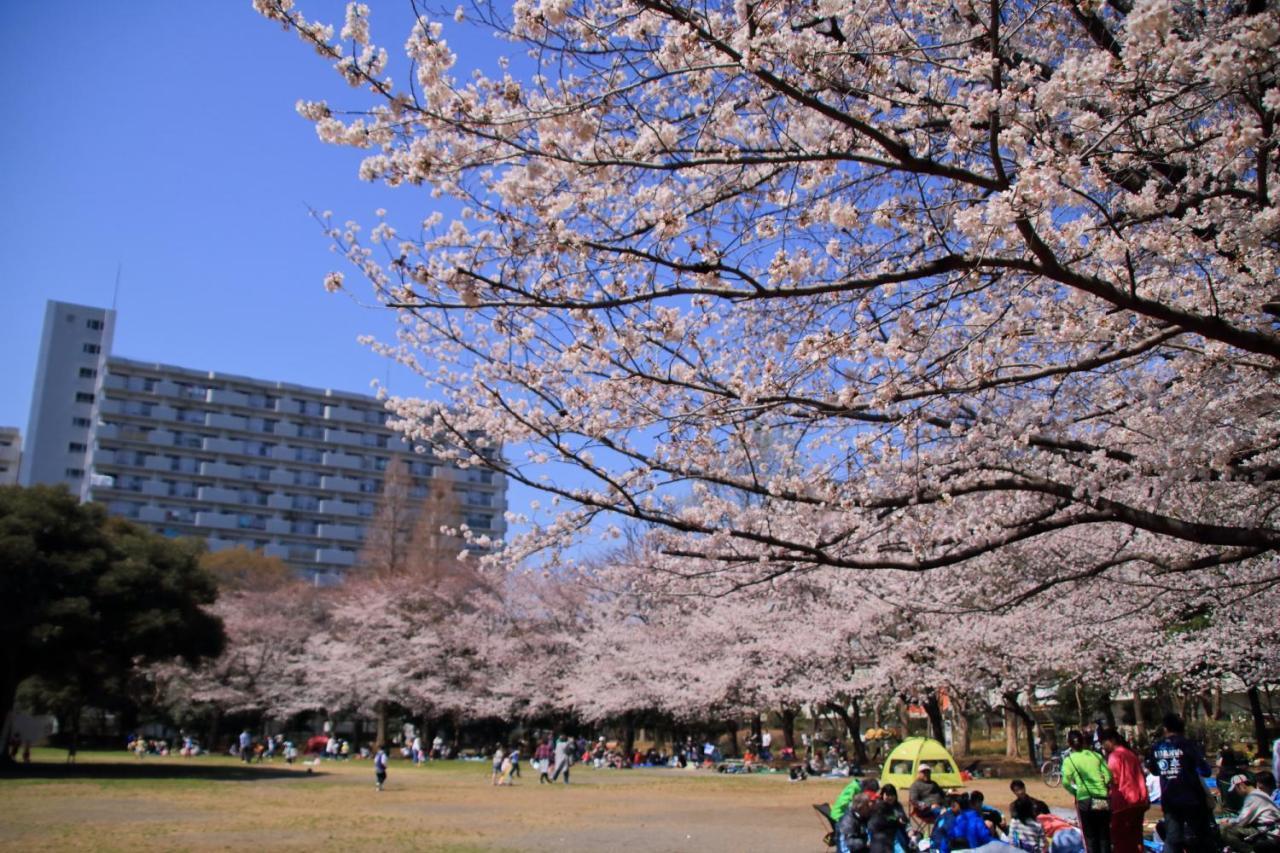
(246, 742)
(542, 758)
(564, 759)
(380, 766)
(498, 757)
(514, 757)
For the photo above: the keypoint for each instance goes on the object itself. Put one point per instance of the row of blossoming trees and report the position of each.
(932, 339)
(629, 642)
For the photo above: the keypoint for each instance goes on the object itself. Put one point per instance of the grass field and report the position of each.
(110, 801)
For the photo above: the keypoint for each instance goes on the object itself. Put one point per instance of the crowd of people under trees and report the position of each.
(1113, 789)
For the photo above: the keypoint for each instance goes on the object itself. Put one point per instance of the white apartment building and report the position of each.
(73, 351)
(10, 455)
(290, 470)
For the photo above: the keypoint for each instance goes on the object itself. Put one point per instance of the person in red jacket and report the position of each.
(1128, 795)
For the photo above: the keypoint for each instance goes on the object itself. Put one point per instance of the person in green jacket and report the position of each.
(1086, 776)
(841, 805)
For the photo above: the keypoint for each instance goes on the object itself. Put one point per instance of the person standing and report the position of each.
(514, 758)
(1086, 777)
(563, 759)
(1188, 817)
(380, 766)
(246, 741)
(498, 756)
(1129, 802)
(542, 758)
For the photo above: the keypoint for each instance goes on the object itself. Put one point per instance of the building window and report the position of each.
(92, 349)
(93, 324)
(81, 422)
(75, 472)
(76, 447)
(84, 397)
(88, 373)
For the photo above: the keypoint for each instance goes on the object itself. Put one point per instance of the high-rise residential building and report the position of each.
(73, 351)
(10, 455)
(294, 471)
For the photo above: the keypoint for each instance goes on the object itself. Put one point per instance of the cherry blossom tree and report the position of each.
(982, 271)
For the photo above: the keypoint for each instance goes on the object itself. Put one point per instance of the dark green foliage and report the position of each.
(87, 596)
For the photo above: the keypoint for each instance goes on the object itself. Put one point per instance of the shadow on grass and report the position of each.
(154, 770)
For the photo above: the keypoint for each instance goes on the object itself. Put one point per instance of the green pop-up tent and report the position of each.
(904, 762)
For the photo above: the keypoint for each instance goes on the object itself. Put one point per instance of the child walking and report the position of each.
(380, 766)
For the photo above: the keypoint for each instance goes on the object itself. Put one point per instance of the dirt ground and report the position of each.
(109, 802)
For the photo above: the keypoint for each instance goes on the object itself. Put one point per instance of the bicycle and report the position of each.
(1051, 771)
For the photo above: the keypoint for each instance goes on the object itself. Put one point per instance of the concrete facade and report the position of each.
(10, 455)
(291, 470)
(73, 352)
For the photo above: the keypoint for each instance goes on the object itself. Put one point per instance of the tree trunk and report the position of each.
(904, 722)
(1259, 721)
(756, 728)
(962, 742)
(855, 731)
(789, 728)
(731, 728)
(1081, 720)
(1217, 703)
(1010, 733)
(933, 710)
(628, 738)
(1107, 711)
(1011, 703)
(215, 723)
(8, 692)
(381, 732)
(1139, 723)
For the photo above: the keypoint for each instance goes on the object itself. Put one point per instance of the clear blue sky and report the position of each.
(161, 136)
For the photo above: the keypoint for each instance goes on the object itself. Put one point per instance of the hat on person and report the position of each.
(925, 768)
(1239, 779)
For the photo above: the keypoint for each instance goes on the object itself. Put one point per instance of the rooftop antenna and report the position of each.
(115, 294)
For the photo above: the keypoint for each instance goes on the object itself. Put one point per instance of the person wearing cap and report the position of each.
(925, 795)
(1256, 827)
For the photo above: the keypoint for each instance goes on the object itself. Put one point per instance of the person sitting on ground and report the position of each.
(925, 796)
(944, 823)
(889, 821)
(969, 831)
(1024, 830)
(841, 804)
(1256, 827)
(992, 816)
(852, 828)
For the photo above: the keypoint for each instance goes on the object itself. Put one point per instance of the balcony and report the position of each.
(339, 507)
(341, 460)
(218, 520)
(339, 484)
(333, 555)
